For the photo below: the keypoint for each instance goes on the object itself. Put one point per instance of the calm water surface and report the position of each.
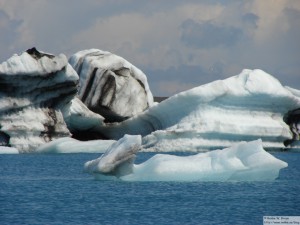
(53, 189)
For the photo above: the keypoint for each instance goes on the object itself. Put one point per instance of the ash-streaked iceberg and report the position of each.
(33, 88)
(246, 161)
(245, 107)
(110, 85)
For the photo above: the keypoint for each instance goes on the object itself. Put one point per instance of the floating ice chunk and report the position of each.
(8, 150)
(118, 159)
(70, 145)
(246, 161)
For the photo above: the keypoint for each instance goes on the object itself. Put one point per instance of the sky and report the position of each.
(177, 44)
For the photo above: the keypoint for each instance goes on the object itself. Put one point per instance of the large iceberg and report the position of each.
(110, 85)
(245, 107)
(33, 88)
(38, 101)
(246, 161)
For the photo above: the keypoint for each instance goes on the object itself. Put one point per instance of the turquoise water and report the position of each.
(53, 189)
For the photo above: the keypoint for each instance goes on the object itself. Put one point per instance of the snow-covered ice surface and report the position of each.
(246, 161)
(33, 87)
(110, 85)
(244, 107)
(33, 63)
(70, 145)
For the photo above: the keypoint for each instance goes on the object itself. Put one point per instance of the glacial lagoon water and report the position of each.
(53, 189)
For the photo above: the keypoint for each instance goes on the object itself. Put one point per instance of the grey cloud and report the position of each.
(289, 50)
(229, 38)
(207, 35)
(250, 19)
(186, 76)
(292, 36)
(9, 33)
(280, 56)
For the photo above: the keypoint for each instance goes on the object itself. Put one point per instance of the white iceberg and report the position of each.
(245, 107)
(246, 161)
(33, 62)
(118, 159)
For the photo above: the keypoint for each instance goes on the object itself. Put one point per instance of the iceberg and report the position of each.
(245, 107)
(118, 158)
(39, 102)
(34, 86)
(245, 161)
(110, 85)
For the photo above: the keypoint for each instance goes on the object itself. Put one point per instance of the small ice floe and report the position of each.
(246, 161)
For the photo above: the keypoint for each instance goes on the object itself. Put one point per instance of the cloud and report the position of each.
(148, 36)
(170, 88)
(292, 36)
(250, 19)
(209, 35)
(175, 79)
(9, 34)
(144, 39)
(187, 43)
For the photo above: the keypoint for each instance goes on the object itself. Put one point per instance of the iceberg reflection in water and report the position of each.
(246, 161)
